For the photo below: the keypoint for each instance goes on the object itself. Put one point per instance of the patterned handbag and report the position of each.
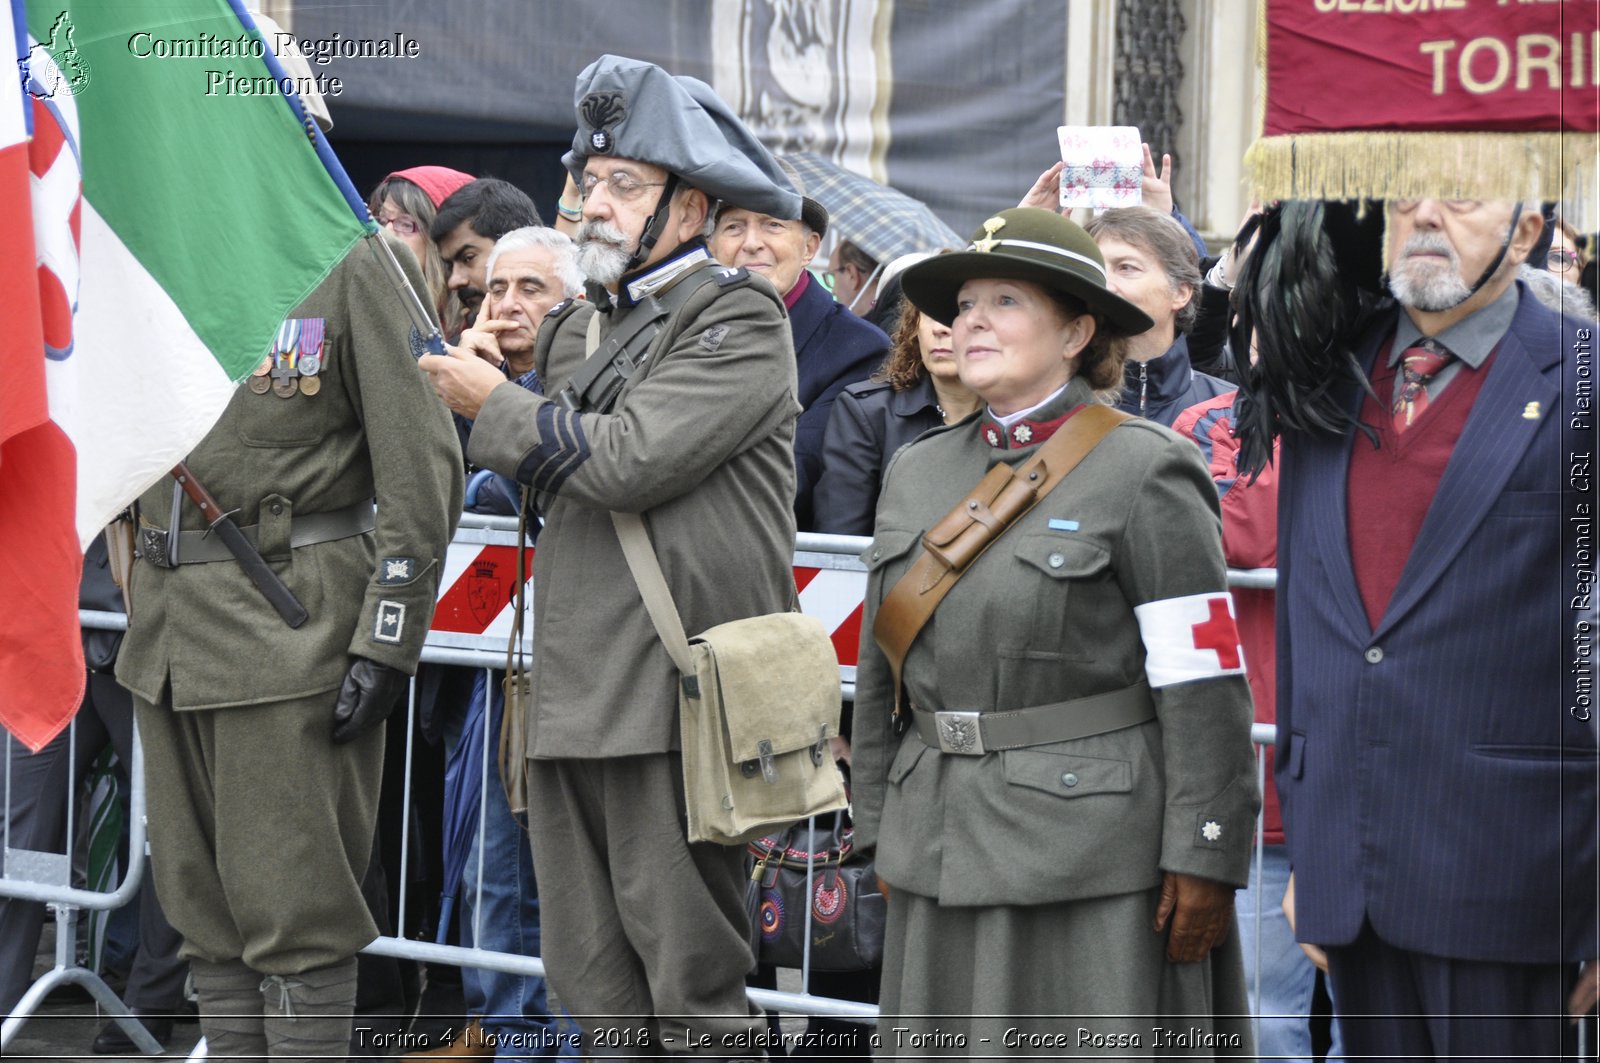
(846, 910)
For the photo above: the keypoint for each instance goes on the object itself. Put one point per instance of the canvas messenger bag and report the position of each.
(758, 700)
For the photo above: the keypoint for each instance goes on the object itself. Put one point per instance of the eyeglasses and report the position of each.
(831, 277)
(1561, 261)
(623, 186)
(402, 224)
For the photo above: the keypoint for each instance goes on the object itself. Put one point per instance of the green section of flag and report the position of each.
(216, 190)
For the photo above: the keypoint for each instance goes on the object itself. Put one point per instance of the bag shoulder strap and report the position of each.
(646, 569)
(631, 531)
(598, 382)
(518, 599)
(981, 517)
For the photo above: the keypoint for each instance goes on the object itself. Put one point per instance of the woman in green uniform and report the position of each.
(1064, 809)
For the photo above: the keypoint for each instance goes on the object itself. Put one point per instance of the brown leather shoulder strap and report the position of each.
(951, 546)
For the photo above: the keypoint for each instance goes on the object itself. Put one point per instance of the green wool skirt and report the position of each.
(1079, 979)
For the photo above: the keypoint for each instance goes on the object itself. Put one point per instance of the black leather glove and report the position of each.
(369, 694)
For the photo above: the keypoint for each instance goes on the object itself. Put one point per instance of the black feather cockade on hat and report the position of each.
(1306, 295)
(599, 110)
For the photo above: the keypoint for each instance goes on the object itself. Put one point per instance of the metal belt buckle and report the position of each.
(153, 547)
(959, 733)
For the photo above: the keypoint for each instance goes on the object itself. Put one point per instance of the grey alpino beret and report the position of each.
(636, 110)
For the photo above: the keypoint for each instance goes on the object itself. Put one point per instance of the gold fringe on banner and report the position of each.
(1382, 165)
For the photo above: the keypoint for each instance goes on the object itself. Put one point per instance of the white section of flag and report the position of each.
(141, 389)
(1190, 638)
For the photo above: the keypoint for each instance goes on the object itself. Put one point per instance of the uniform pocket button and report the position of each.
(1056, 560)
(1069, 780)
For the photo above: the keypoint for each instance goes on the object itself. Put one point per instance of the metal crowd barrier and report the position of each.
(47, 878)
(472, 631)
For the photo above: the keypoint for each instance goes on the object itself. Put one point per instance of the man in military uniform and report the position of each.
(262, 744)
(685, 415)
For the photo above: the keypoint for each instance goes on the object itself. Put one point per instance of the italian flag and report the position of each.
(156, 231)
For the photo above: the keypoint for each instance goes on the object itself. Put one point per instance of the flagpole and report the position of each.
(291, 96)
(432, 338)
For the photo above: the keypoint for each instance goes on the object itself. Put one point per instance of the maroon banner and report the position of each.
(1416, 66)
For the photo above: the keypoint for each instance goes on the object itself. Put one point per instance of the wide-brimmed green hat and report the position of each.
(1026, 244)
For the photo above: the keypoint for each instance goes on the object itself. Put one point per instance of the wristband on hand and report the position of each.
(1217, 276)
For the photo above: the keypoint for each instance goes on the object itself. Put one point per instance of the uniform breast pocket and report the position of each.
(1065, 775)
(291, 409)
(887, 559)
(1053, 570)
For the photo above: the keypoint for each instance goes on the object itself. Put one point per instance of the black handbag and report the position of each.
(846, 910)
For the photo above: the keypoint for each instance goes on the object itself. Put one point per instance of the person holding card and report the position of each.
(1151, 263)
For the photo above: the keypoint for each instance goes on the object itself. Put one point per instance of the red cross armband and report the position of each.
(1193, 637)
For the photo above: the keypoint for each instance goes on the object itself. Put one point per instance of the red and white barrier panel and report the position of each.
(475, 611)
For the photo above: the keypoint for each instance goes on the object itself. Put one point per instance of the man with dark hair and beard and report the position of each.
(469, 222)
(685, 415)
(1438, 786)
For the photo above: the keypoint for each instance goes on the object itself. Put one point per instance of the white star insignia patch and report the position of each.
(391, 622)
(1022, 433)
(1211, 831)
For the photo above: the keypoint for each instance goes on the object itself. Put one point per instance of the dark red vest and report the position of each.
(1391, 487)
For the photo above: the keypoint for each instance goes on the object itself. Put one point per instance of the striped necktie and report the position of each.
(1418, 365)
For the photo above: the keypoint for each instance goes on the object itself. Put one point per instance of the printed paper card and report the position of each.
(1103, 168)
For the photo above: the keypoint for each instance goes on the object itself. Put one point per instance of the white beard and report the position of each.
(603, 252)
(1428, 286)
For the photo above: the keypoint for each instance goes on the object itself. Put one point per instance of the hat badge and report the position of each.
(599, 110)
(990, 227)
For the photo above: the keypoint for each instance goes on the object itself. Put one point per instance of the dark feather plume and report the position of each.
(1305, 296)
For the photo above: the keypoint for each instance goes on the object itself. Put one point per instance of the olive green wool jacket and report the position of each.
(1047, 615)
(701, 442)
(202, 633)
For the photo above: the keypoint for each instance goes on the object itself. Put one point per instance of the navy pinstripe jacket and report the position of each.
(1435, 774)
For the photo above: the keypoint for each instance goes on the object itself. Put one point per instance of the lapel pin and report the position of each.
(1530, 412)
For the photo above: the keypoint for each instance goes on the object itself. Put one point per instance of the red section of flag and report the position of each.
(41, 657)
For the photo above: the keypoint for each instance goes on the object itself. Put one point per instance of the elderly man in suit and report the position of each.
(832, 347)
(1437, 779)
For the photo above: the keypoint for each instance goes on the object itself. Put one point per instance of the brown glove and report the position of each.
(1201, 911)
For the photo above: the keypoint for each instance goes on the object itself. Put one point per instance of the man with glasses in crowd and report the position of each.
(687, 417)
(833, 347)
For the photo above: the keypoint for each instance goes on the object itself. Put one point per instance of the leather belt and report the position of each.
(972, 734)
(199, 547)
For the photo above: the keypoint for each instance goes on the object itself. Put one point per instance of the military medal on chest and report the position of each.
(260, 382)
(295, 361)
